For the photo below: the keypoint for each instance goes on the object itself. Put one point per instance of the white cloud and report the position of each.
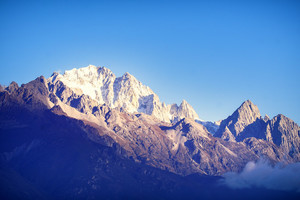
(262, 174)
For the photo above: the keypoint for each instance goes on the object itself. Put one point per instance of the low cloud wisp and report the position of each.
(263, 175)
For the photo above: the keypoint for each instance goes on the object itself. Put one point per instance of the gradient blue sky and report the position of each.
(214, 54)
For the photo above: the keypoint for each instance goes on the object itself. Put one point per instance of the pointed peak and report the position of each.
(281, 116)
(247, 103)
(184, 102)
(41, 79)
(186, 110)
(54, 74)
(282, 119)
(126, 74)
(13, 83)
(104, 70)
(247, 112)
(13, 86)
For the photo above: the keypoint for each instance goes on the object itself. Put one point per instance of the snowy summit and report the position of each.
(126, 92)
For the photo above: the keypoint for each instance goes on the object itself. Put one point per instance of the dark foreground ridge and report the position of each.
(52, 158)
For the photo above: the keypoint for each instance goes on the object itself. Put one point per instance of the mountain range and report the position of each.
(89, 133)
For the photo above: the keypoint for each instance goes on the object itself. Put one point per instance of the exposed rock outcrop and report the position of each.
(236, 124)
(285, 133)
(246, 125)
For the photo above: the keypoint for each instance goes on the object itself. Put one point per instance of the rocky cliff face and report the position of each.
(247, 125)
(233, 128)
(33, 95)
(126, 92)
(123, 111)
(47, 155)
(93, 130)
(285, 133)
(184, 147)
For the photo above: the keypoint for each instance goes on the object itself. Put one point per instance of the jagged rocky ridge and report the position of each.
(247, 125)
(45, 154)
(184, 147)
(65, 131)
(111, 116)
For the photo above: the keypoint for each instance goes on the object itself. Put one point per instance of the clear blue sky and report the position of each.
(214, 54)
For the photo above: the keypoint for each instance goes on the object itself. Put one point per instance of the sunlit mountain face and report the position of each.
(87, 134)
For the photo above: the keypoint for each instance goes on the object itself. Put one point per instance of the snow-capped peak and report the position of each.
(126, 92)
